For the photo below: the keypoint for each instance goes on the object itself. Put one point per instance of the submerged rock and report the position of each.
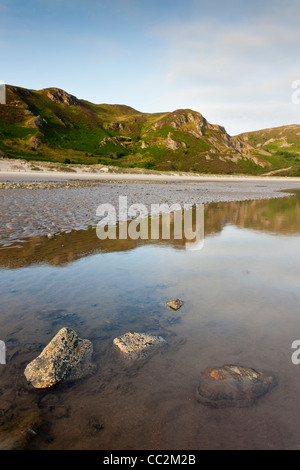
(232, 385)
(137, 345)
(175, 304)
(66, 357)
(17, 433)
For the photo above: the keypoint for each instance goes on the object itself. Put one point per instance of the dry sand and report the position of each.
(22, 169)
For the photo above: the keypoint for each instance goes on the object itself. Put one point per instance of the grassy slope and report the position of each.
(87, 133)
(280, 146)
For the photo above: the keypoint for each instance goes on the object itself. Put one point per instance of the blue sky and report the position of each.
(232, 60)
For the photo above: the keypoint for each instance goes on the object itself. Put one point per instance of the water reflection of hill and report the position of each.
(276, 216)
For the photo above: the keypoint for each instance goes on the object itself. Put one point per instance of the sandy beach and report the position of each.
(21, 169)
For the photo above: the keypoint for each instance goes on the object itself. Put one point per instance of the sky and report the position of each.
(234, 61)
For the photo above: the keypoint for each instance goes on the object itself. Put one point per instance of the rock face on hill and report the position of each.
(37, 122)
(66, 357)
(193, 123)
(233, 386)
(60, 96)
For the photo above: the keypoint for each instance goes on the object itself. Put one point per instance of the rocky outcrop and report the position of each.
(233, 386)
(221, 140)
(60, 96)
(35, 142)
(121, 140)
(23, 92)
(172, 144)
(37, 122)
(137, 345)
(66, 357)
(199, 122)
(191, 121)
(115, 126)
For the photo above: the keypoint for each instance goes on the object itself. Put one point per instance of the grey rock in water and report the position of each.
(175, 304)
(66, 357)
(137, 345)
(234, 386)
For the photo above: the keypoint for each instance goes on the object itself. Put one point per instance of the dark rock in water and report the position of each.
(66, 357)
(175, 304)
(232, 385)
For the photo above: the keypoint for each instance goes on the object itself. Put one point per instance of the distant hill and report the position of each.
(52, 125)
(280, 146)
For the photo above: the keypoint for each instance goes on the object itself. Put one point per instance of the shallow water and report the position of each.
(49, 207)
(241, 294)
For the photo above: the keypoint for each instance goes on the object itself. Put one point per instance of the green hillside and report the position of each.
(280, 146)
(52, 125)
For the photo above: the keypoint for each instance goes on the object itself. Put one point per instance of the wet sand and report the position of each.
(34, 206)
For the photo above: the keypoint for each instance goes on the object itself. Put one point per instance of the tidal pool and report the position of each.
(241, 306)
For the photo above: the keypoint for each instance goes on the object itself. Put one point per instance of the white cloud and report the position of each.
(229, 67)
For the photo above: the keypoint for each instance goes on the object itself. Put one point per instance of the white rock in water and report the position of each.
(66, 356)
(136, 345)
